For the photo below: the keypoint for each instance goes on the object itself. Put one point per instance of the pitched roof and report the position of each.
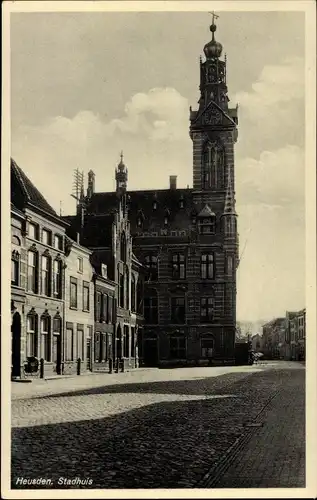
(24, 192)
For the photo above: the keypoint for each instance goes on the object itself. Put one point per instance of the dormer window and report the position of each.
(154, 205)
(139, 222)
(181, 203)
(207, 225)
(165, 220)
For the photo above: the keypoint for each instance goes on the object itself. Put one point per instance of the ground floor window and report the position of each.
(69, 345)
(207, 347)
(45, 338)
(177, 347)
(31, 336)
(126, 342)
(103, 347)
(80, 344)
(132, 351)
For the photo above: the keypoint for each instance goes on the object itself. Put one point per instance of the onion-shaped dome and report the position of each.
(213, 48)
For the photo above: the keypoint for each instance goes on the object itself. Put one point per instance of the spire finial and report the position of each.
(213, 27)
(121, 156)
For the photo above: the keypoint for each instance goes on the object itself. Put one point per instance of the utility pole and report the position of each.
(78, 185)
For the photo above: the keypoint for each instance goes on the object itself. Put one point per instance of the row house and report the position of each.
(273, 338)
(285, 338)
(105, 314)
(79, 308)
(296, 335)
(37, 277)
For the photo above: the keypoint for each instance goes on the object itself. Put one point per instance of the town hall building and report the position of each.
(186, 238)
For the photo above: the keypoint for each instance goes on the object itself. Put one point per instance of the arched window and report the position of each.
(15, 268)
(46, 277)
(213, 166)
(123, 248)
(46, 337)
(139, 298)
(31, 334)
(133, 293)
(15, 240)
(33, 271)
(127, 288)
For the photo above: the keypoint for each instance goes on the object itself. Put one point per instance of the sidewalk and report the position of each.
(273, 455)
(57, 384)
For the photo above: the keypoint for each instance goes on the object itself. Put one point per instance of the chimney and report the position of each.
(173, 181)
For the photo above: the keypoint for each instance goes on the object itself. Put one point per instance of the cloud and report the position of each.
(276, 85)
(153, 132)
(272, 112)
(275, 178)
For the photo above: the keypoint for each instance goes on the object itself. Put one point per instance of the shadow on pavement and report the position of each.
(162, 445)
(197, 386)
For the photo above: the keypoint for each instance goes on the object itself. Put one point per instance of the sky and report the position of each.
(85, 86)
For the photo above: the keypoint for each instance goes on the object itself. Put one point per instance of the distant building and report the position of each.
(273, 338)
(257, 342)
(296, 335)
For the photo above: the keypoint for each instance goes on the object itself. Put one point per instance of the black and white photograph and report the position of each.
(160, 160)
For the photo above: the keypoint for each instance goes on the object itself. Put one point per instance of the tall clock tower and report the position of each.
(213, 130)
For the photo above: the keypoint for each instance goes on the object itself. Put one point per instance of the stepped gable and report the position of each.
(23, 192)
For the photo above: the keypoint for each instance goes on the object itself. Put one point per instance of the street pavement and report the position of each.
(163, 428)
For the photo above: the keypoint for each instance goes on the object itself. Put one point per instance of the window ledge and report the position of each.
(73, 308)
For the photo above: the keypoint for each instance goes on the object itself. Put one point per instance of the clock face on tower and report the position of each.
(212, 116)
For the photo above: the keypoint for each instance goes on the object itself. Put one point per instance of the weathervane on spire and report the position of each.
(214, 16)
(213, 27)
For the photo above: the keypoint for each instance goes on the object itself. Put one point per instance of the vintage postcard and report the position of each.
(158, 206)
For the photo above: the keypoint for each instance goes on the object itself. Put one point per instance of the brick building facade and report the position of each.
(79, 309)
(187, 238)
(38, 236)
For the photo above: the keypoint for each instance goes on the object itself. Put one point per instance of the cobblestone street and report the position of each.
(163, 428)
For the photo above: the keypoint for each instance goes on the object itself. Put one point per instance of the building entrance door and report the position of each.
(16, 345)
(88, 353)
(150, 352)
(57, 353)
